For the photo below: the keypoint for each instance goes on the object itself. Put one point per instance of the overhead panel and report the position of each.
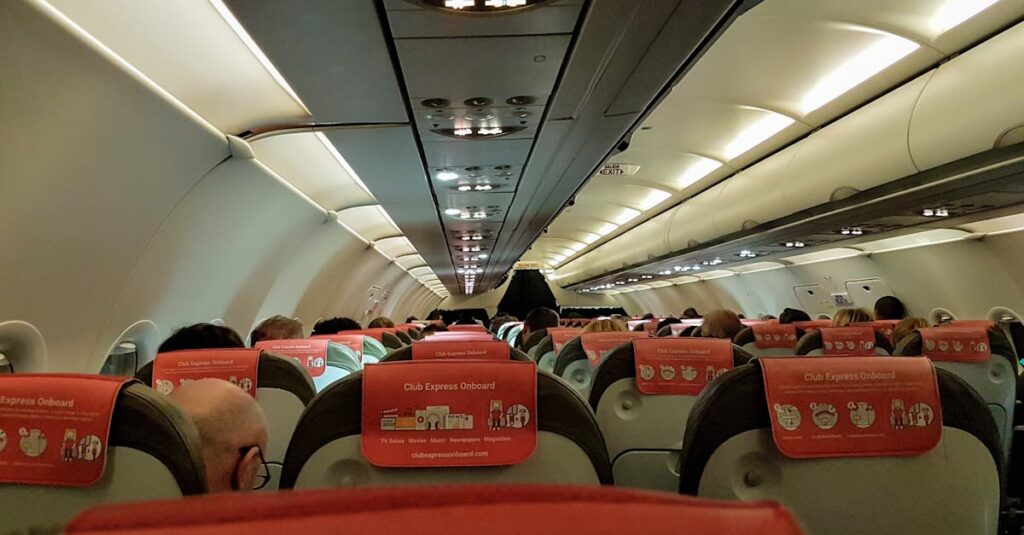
(477, 87)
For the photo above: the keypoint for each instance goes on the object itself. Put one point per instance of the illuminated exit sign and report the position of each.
(619, 169)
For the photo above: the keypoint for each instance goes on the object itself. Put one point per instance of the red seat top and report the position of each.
(499, 509)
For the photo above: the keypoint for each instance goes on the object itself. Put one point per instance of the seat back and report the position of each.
(812, 343)
(498, 509)
(573, 366)
(769, 340)
(326, 450)
(729, 453)
(283, 389)
(341, 361)
(994, 378)
(405, 354)
(153, 452)
(644, 432)
(532, 340)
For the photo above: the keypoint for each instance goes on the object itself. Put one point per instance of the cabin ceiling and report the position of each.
(773, 77)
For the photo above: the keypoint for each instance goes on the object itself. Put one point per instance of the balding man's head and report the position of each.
(230, 424)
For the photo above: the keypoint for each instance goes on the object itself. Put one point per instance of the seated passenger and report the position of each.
(846, 316)
(233, 431)
(381, 322)
(648, 316)
(277, 328)
(201, 336)
(435, 315)
(411, 319)
(537, 319)
(890, 308)
(336, 325)
(690, 314)
(793, 315)
(466, 319)
(766, 317)
(433, 328)
(905, 327)
(604, 326)
(721, 324)
(575, 316)
(666, 322)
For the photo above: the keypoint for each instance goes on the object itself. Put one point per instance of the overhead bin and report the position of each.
(959, 109)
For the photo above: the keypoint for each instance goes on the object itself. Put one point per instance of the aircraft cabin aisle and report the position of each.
(299, 196)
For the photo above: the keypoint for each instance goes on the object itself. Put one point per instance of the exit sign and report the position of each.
(618, 169)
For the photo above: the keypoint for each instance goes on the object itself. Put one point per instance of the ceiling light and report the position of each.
(746, 254)
(483, 256)
(577, 247)
(591, 238)
(483, 187)
(459, 4)
(460, 270)
(606, 229)
(452, 211)
(697, 171)
(928, 212)
(464, 215)
(646, 276)
(952, 13)
(247, 40)
(633, 280)
(695, 267)
(653, 199)
(559, 258)
(462, 131)
(767, 126)
(446, 175)
(465, 188)
(479, 214)
(887, 50)
(625, 216)
(677, 268)
(476, 237)
(856, 231)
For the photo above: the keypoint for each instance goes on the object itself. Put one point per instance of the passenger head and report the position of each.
(846, 316)
(465, 318)
(539, 318)
(276, 328)
(691, 313)
(232, 429)
(604, 326)
(792, 315)
(721, 324)
(890, 308)
(905, 327)
(381, 322)
(202, 336)
(668, 321)
(575, 316)
(411, 319)
(433, 328)
(336, 325)
(434, 315)
(648, 316)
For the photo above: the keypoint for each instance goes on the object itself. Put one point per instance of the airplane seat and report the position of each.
(544, 347)
(326, 450)
(643, 432)
(994, 379)
(748, 340)
(153, 452)
(664, 331)
(406, 354)
(953, 488)
(572, 365)
(341, 361)
(512, 335)
(283, 389)
(813, 344)
(391, 341)
(534, 339)
(478, 509)
(405, 338)
(689, 331)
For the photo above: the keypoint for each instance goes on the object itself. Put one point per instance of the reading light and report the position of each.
(483, 187)
(697, 171)
(887, 50)
(483, 256)
(446, 175)
(759, 131)
(953, 13)
(464, 215)
(465, 188)
(452, 211)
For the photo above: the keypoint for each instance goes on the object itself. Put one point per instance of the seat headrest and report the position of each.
(812, 340)
(621, 364)
(337, 412)
(912, 346)
(531, 508)
(274, 371)
(746, 336)
(534, 339)
(735, 403)
(406, 354)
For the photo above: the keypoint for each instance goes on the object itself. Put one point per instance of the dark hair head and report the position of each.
(202, 336)
(575, 316)
(433, 328)
(434, 315)
(668, 321)
(648, 316)
(721, 324)
(411, 319)
(381, 322)
(791, 315)
(336, 325)
(541, 318)
(276, 328)
(691, 313)
(890, 308)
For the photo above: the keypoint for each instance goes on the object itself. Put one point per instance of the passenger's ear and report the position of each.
(248, 469)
